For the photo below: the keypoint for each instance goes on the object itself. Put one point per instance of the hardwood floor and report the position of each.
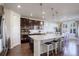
(71, 48)
(21, 50)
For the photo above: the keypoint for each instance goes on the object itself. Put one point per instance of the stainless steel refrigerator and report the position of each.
(1, 47)
(4, 42)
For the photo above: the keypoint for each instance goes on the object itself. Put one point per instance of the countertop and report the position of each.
(45, 36)
(32, 33)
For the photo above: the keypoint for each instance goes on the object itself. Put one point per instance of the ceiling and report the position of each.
(65, 11)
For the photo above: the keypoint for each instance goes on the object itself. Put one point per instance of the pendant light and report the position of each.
(42, 11)
(54, 13)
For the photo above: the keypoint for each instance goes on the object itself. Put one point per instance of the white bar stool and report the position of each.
(55, 42)
(61, 43)
(48, 44)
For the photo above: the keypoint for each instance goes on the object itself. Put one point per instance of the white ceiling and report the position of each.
(66, 11)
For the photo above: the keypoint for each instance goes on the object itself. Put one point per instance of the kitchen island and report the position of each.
(39, 41)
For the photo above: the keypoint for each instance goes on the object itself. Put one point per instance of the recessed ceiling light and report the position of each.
(43, 12)
(19, 6)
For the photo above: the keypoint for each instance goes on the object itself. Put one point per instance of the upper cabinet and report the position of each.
(24, 22)
(32, 24)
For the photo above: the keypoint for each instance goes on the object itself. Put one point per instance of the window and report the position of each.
(70, 30)
(73, 24)
(74, 31)
(65, 25)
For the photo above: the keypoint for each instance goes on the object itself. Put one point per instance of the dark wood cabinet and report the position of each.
(24, 22)
(24, 30)
(31, 24)
(27, 25)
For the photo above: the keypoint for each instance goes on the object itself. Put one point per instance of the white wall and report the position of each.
(12, 20)
(50, 27)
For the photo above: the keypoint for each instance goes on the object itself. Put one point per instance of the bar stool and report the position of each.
(48, 44)
(60, 43)
(55, 43)
(62, 40)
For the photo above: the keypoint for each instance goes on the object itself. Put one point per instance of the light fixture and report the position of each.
(19, 6)
(43, 12)
(54, 13)
(52, 10)
(41, 23)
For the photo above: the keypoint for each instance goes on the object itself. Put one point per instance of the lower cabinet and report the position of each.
(24, 38)
(31, 44)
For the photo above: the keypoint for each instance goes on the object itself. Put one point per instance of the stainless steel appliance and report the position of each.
(1, 35)
(4, 42)
(1, 32)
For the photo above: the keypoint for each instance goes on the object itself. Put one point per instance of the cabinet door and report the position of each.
(31, 24)
(23, 21)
